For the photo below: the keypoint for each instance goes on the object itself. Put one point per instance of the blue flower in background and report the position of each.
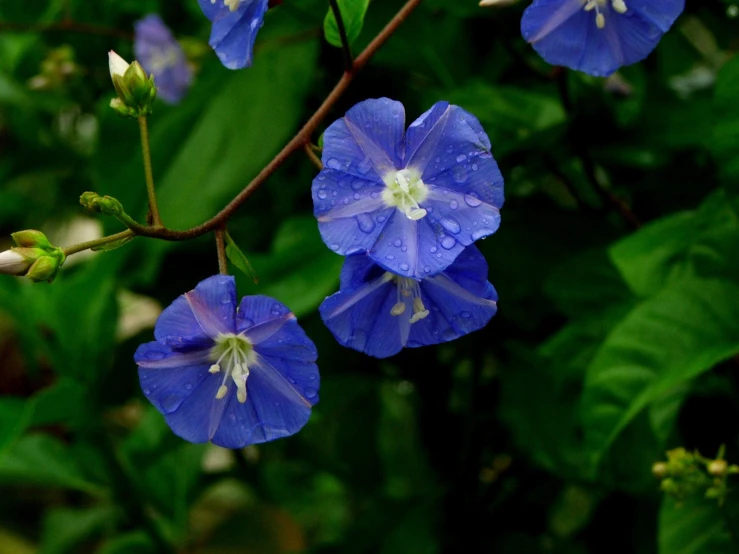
(232, 377)
(235, 26)
(597, 36)
(411, 200)
(161, 55)
(379, 313)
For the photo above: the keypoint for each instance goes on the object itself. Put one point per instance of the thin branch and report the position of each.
(67, 25)
(295, 144)
(310, 152)
(74, 249)
(346, 49)
(221, 248)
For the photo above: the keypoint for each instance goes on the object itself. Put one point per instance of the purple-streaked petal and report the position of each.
(361, 319)
(194, 319)
(154, 355)
(462, 216)
(473, 173)
(368, 141)
(233, 33)
(198, 415)
(273, 409)
(436, 141)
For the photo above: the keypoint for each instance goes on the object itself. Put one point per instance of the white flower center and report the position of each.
(408, 289)
(232, 354)
(405, 190)
(232, 5)
(600, 20)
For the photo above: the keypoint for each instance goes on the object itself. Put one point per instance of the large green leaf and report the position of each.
(671, 338)
(692, 527)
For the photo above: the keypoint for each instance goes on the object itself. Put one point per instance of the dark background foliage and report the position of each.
(616, 264)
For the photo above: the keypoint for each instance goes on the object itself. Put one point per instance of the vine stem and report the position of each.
(74, 249)
(296, 143)
(221, 248)
(345, 46)
(149, 174)
(312, 156)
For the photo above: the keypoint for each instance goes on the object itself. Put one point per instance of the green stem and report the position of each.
(345, 46)
(146, 150)
(75, 248)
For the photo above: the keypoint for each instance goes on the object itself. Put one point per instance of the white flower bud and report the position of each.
(486, 3)
(117, 64)
(12, 263)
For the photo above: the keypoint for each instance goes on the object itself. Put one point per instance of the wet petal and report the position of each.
(233, 33)
(462, 216)
(360, 318)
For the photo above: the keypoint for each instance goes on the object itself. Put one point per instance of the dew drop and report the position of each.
(322, 194)
(448, 242)
(404, 248)
(334, 247)
(366, 223)
(449, 149)
(312, 377)
(357, 184)
(226, 299)
(472, 200)
(390, 257)
(188, 386)
(461, 158)
(155, 354)
(246, 323)
(427, 269)
(454, 204)
(397, 243)
(171, 402)
(474, 167)
(311, 392)
(404, 267)
(433, 249)
(466, 315)
(450, 225)
(293, 381)
(346, 201)
(333, 163)
(460, 174)
(381, 219)
(232, 419)
(481, 233)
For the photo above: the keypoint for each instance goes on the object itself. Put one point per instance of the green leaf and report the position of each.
(725, 143)
(65, 528)
(692, 527)
(352, 14)
(669, 339)
(239, 259)
(42, 460)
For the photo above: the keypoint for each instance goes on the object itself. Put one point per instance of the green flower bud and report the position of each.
(31, 238)
(35, 257)
(106, 205)
(136, 92)
(718, 468)
(660, 470)
(44, 269)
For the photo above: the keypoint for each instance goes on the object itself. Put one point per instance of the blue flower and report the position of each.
(597, 36)
(412, 201)
(232, 377)
(161, 55)
(379, 312)
(235, 26)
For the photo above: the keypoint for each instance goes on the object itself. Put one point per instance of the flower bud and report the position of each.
(34, 256)
(106, 205)
(660, 470)
(136, 92)
(13, 263)
(718, 468)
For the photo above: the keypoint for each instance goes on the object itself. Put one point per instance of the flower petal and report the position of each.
(367, 141)
(360, 318)
(197, 317)
(273, 409)
(463, 216)
(168, 378)
(233, 33)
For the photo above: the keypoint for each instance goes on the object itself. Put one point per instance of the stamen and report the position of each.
(398, 309)
(232, 5)
(619, 6)
(234, 354)
(600, 20)
(404, 190)
(221, 392)
(215, 368)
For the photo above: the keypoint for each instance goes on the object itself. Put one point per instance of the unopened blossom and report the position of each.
(411, 200)
(232, 376)
(161, 55)
(379, 312)
(235, 26)
(597, 36)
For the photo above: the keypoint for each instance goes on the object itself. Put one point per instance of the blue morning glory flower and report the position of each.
(379, 312)
(410, 200)
(161, 55)
(226, 375)
(235, 26)
(597, 36)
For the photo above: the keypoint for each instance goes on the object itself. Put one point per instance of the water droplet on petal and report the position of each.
(454, 204)
(381, 219)
(474, 167)
(171, 402)
(155, 354)
(188, 386)
(481, 233)
(333, 163)
(472, 200)
(312, 377)
(390, 257)
(466, 315)
(322, 194)
(404, 267)
(404, 248)
(433, 249)
(450, 225)
(291, 380)
(448, 242)
(366, 223)
(461, 158)
(397, 243)
(460, 174)
(311, 392)
(449, 149)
